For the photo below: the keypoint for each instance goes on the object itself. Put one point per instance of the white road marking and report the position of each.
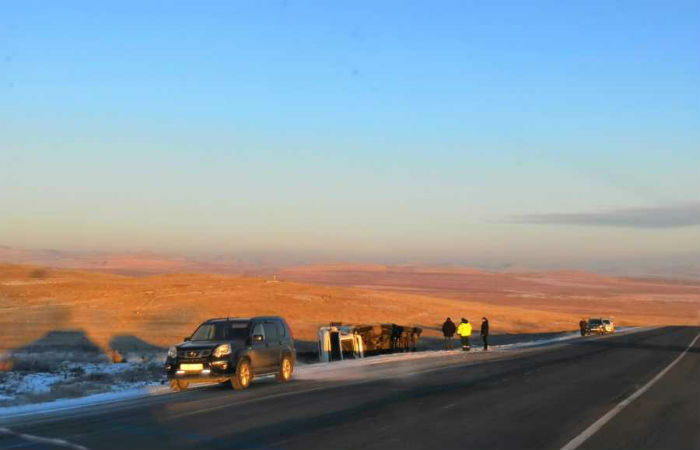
(42, 440)
(598, 424)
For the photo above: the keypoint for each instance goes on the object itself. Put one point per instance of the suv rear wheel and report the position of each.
(286, 369)
(241, 380)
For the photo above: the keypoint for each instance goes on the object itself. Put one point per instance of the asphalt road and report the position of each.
(541, 398)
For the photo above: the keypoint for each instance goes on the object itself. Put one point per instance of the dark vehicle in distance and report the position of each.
(600, 326)
(233, 350)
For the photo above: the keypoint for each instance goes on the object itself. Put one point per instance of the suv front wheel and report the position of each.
(178, 385)
(286, 369)
(241, 380)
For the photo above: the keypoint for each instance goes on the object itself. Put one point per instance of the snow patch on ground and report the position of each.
(73, 380)
(35, 382)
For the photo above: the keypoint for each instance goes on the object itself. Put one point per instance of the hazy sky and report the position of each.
(481, 132)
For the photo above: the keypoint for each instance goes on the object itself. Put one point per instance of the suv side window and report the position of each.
(280, 329)
(258, 329)
(271, 332)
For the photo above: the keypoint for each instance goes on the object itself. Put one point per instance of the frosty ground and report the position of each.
(32, 386)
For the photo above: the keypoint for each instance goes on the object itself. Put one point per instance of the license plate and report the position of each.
(191, 367)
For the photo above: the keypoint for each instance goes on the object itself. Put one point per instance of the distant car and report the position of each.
(609, 326)
(600, 326)
(234, 351)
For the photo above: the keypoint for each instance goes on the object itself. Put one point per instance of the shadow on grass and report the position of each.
(74, 346)
(61, 340)
(128, 343)
(52, 349)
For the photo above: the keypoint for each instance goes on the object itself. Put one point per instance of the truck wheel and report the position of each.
(286, 369)
(241, 380)
(178, 385)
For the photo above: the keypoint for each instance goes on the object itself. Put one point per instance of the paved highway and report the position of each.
(638, 390)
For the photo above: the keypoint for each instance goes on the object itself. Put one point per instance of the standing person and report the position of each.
(465, 331)
(485, 332)
(583, 325)
(448, 330)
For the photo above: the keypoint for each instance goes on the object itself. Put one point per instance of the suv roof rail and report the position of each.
(244, 318)
(213, 319)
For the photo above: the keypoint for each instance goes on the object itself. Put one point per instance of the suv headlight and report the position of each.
(172, 352)
(222, 350)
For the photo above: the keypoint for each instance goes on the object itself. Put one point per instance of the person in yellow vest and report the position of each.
(464, 330)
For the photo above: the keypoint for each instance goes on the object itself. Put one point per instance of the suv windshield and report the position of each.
(595, 322)
(222, 331)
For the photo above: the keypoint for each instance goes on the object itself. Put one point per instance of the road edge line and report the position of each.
(41, 440)
(598, 424)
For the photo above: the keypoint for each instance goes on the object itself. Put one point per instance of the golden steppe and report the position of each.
(161, 309)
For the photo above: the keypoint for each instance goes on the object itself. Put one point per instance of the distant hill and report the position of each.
(457, 280)
(129, 263)
(148, 263)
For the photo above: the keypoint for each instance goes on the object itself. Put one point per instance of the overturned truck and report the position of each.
(337, 341)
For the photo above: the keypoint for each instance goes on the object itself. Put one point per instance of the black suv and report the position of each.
(233, 350)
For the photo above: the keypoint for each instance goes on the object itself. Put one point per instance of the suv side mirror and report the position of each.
(186, 339)
(257, 338)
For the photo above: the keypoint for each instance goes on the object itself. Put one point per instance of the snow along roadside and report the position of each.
(350, 369)
(82, 402)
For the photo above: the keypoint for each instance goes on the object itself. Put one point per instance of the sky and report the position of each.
(558, 134)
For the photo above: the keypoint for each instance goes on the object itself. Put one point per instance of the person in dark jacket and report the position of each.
(583, 325)
(448, 330)
(485, 332)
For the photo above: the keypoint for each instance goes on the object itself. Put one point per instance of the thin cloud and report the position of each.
(655, 217)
